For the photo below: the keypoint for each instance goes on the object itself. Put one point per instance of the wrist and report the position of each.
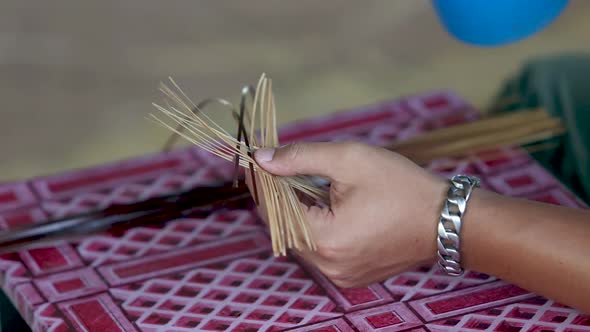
(431, 215)
(484, 235)
(472, 228)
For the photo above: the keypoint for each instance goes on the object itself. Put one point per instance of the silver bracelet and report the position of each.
(449, 224)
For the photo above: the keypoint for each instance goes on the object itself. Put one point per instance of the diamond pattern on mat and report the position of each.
(335, 325)
(130, 192)
(398, 112)
(499, 160)
(558, 196)
(142, 241)
(12, 270)
(381, 135)
(327, 127)
(536, 314)
(390, 317)
(446, 119)
(261, 293)
(105, 176)
(386, 132)
(449, 167)
(418, 126)
(97, 312)
(436, 103)
(45, 260)
(430, 280)
(467, 300)
(47, 318)
(70, 284)
(523, 180)
(21, 217)
(350, 299)
(15, 195)
(26, 298)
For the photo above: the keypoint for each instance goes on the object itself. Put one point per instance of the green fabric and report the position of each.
(10, 319)
(559, 84)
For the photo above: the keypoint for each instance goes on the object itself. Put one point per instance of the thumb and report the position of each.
(321, 159)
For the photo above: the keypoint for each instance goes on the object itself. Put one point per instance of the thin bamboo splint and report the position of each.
(280, 200)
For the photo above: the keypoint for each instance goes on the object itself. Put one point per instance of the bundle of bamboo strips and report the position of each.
(281, 195)
(488, 133)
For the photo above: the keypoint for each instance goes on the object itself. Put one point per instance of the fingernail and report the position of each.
(264, 155)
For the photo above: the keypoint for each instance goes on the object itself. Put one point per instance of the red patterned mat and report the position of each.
(217, 273)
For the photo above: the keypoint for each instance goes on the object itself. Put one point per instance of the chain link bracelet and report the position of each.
(449, 225)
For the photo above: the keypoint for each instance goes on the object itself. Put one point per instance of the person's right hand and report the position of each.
(383, 214)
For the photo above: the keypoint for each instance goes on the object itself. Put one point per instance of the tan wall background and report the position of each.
(77, 77)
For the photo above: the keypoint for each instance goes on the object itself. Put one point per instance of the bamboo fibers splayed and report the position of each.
(257, 129)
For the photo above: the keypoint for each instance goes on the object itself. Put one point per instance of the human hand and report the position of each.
(383, 209)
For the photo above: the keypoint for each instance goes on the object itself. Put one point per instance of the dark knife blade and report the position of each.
(116, 218)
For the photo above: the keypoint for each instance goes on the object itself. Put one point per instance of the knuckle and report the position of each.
(339, 248)
(330, 252)
(294, 151)
(342, 283)
(335, 274)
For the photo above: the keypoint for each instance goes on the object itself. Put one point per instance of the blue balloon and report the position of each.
(496, 22)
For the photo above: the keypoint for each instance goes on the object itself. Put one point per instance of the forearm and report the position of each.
(540, 247)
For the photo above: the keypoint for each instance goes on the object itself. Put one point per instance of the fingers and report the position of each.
(315, 216)
(329, 160)
(324, 159)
